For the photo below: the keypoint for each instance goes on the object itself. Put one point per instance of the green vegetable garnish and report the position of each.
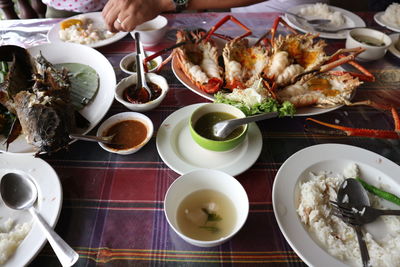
(379, 192)
(212, 217)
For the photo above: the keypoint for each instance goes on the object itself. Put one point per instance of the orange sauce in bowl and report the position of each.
(128, 134)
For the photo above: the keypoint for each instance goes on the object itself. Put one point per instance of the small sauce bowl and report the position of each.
(132, 131)
(128, 63)
(131, 81)
(215, 144)
(376, 43)
(152, 31)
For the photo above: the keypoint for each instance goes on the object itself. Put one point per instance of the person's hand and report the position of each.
(125, 15)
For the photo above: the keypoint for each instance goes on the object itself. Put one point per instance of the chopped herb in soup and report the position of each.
(204, 125)
(368, 40)
(150, 65)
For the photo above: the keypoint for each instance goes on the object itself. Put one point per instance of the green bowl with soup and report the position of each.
(204, 117)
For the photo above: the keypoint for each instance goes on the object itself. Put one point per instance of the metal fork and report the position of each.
(360, 215)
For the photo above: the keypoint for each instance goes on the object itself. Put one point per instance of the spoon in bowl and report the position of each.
(19, 192)
(352, 194)
(223, 128)
(101, 139)
(142, 92)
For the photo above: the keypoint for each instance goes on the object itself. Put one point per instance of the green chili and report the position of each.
(379, 192)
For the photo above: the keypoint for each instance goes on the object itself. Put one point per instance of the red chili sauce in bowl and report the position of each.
(142, 96)
(128, 134)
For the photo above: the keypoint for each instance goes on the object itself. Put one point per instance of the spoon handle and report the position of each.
(66, 255)
(363, 246)
(259, 117)
(90, 138)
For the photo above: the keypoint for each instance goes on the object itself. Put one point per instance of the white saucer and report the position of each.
(392, 48)
(182, 154)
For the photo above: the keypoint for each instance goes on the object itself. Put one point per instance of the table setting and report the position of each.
(157, 184)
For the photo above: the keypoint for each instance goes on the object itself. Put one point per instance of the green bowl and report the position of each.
(216, 145)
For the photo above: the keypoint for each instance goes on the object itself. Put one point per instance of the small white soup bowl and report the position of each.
(354, 39)
(152, 31)
(130, 81)
(131, 58)
(206, 179)
(124, 116)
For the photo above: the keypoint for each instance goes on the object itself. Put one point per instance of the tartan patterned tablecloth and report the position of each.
(112, 212)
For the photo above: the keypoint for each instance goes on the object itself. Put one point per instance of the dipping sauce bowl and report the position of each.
(128, 63)
(152, 31)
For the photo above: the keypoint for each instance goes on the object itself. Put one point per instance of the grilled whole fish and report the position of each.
(41, 101)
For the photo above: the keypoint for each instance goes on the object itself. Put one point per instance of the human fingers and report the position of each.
(110, 14)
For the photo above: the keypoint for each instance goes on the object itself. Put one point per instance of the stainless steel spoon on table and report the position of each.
(19, 192)
(352, 194)
(223, 128)
(319, 29)
(313, 22)
(102, 139)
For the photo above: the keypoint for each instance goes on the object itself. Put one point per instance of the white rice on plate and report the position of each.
(332, 233)
(322, 11)
(11, 236)
(392, 15)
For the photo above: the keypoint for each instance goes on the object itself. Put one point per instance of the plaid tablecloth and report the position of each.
(112, 211)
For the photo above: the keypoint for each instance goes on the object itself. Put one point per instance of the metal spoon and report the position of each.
(101, 139)
(142, 92)
(19, 192)
(313, 22)
(223, 128)
(353, 194)
(319, 29)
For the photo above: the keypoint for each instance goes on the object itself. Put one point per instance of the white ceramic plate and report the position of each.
(48, 205)
(182, 154)
(351, 20)
(74, 53)
(392, 48)
(296, 169)
(304, 111)
(98, 22)
(378, 19)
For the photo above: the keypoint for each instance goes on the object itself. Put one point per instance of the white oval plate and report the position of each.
(392, 48)
(180, 75)
(182, 154)
(48, 204)
(325, 157)
(352, 20)
(98, 22)
(97, 108)
(378, 19)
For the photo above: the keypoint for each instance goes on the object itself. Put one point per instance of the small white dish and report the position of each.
(393, 49)
(152, 31)
(206, 179)
(378, 19)
(182, 154)
(123, 117)
(371, 52)
(131, 80)
(129, 59)
(375, 169)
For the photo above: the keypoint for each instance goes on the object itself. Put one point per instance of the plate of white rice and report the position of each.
(340, 18)
(20, 238)
(301, 192)
(390, 18)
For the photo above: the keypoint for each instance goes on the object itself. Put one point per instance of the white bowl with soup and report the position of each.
(376, 43)
(131, 130)
(152, 31)
(206, 207)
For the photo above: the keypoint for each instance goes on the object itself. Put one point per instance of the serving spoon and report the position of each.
(223, 128)
(142, 92)
(19, 192)
(352, 194)
(101, 139)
